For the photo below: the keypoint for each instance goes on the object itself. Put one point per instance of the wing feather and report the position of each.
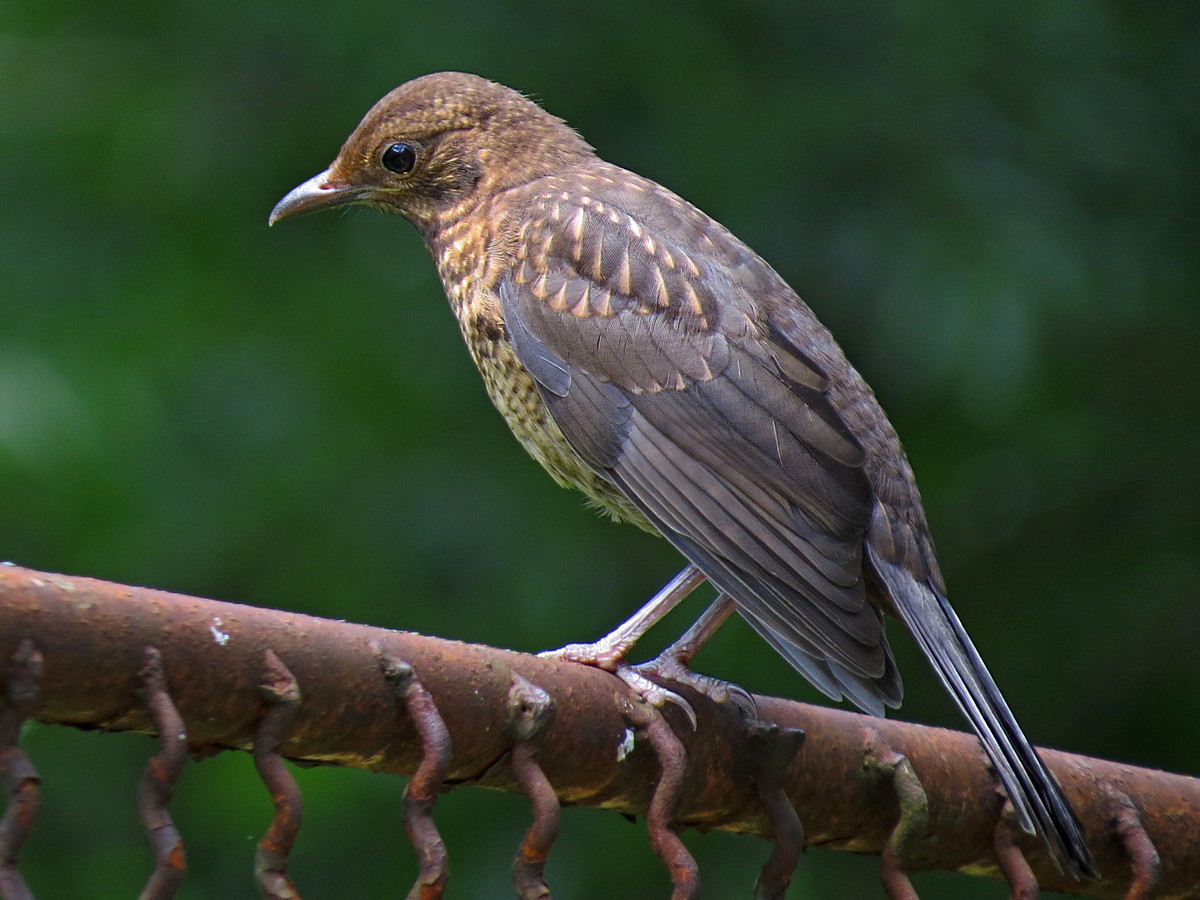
(735, 428)
(714, 424)
(720, 518)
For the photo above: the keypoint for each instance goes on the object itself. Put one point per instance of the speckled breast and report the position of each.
(467, 278)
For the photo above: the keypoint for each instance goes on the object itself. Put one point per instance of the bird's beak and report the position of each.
(319, 192)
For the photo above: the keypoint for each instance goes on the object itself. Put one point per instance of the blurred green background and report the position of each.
(994, 207)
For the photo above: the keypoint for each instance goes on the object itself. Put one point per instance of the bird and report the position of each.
(642, 353)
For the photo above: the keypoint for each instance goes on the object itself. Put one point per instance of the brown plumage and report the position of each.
(643, 354)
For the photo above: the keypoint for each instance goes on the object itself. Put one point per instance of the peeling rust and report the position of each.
(530, 714)
(421, 793)
(20, 778)
(158, 782)
(280, 692)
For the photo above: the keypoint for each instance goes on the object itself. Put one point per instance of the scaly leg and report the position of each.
(610, 651)
(683, 651)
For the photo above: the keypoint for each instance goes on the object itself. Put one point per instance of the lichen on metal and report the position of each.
(882, 761)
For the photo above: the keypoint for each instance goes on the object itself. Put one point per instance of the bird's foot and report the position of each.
(610, 656)
(670, 667)
(603, 654)
(654, 694)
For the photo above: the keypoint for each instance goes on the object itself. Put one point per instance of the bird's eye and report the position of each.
(399, 158)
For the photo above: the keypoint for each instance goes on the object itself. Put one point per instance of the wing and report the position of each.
(670, 374)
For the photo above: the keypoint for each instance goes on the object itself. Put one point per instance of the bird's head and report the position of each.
(432, 146)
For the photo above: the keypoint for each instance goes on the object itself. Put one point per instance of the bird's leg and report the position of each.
(672, 664)
(681, 653)
(610, 651)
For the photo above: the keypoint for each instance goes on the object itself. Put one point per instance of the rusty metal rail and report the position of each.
(283, 685)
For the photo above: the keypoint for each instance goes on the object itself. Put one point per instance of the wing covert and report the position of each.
(711, 420)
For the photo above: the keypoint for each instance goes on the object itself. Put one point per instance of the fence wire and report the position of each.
(205, 676)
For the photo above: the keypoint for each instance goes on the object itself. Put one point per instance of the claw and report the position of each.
(604, 656)
(654, 694)
(669, 668)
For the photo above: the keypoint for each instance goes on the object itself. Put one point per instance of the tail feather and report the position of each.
(1040, 804)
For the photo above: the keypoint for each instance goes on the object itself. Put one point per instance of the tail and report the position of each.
(1040, 804)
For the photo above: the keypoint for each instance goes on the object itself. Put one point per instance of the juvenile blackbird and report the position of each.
(643, 354)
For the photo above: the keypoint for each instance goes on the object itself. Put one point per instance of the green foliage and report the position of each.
(993, 206)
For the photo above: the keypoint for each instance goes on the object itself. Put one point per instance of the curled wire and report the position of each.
(530, 715)
(773, 750)
(422, 790)
(1014, 866)
(1139, 848)
(881, 760)
(649, 723)
(158, 781)
(20, 778)
(281, 694)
